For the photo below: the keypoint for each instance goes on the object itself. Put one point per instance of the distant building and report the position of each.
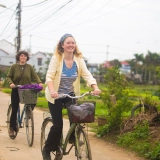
(37, 60)
(8, 52)
(125, 67)
(93, 68)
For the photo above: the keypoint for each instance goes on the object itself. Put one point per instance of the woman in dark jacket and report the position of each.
(20, 73)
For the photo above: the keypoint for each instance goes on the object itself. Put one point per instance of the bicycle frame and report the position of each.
(64, 142)
(20, 115)
(81, 143)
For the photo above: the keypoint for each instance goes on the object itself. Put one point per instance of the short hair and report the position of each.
(22, 52)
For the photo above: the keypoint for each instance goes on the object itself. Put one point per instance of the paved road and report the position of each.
(18, 149)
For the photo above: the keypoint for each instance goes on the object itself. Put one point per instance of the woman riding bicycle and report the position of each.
(20, 73)
(63, 76)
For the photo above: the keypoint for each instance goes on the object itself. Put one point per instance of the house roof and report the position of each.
(124, 62)
(5, 41)
(4, 51)
(7, 47)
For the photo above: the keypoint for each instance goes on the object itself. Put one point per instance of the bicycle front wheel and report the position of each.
(29, 123)
(47, 124)
(8, 122)
(83, 151)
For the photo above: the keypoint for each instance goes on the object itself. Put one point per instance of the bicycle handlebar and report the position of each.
(76, 97)
(16, 86)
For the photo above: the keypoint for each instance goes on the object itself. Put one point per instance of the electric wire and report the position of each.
(53, 12)
(113, 11)
(98, 10)
(35, 7)
(8, 8)
(95, 17)
(41, 18)
(79, 12)
(10, 34)
(40, 12)
(6, 16)
(50, 16)
(36, 4)
(8, 23)
(65, 11)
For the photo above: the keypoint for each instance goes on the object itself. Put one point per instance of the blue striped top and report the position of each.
(68, 76)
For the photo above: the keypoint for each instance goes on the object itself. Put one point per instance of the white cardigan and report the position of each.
(54, 75)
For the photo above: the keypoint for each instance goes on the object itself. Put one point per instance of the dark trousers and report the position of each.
(55, 133)
(15, 105)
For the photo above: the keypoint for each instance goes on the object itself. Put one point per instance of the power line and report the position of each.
(114, 10)
(79, 12)
(9, 8)
(98, 10)
(44, 9)
(50, 15)
(97, 17)
(36, 4)
(67, 10)
(8, 23)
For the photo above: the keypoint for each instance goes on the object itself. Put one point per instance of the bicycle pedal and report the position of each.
(59, 153)
(22, 125)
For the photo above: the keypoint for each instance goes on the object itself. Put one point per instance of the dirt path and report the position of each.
(18, 149)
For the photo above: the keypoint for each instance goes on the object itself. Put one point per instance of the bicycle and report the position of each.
(24, 118)
(144, 108)
(82, 146)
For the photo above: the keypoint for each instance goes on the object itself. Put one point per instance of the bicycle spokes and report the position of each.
(29, 126)
(83, 151)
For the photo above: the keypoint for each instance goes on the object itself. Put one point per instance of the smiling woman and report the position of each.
(66, 68)
(20, 73)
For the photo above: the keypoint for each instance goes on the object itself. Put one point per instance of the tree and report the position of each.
(117, 85)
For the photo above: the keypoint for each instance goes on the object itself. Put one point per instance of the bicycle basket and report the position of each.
(27, 96)
(83, 113)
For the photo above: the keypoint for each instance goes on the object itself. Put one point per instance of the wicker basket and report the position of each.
(27, 96)
(83, 113)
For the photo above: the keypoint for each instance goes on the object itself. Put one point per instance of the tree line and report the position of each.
(147, 66)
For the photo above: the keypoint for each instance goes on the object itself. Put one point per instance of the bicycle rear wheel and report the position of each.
(47, 124)
(8, 122)
(29, 125)
(83, 151)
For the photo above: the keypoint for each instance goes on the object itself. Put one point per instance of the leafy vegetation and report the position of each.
(115, 104)
(140, 141)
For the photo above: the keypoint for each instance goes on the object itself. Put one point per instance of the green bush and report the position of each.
(140, 141)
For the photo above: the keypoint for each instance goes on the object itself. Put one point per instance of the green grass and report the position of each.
(101, 110)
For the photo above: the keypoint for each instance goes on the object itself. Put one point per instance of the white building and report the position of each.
(8, 53)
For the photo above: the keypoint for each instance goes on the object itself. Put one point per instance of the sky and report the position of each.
(103, 29)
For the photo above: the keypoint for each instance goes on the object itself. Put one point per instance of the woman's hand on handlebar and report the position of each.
(12, 85)
(54, 94)
(96, 91)
(41, 84)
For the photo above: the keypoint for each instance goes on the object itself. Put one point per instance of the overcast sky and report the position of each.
(121, 27)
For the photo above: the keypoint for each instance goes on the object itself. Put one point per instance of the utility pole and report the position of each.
(107, 52)
(30, 49)
(18, 38)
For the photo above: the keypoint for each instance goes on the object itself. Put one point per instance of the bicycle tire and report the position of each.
(82, 148)
(8, 122)
(146, 106)
(46, 125)
(29, 123)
